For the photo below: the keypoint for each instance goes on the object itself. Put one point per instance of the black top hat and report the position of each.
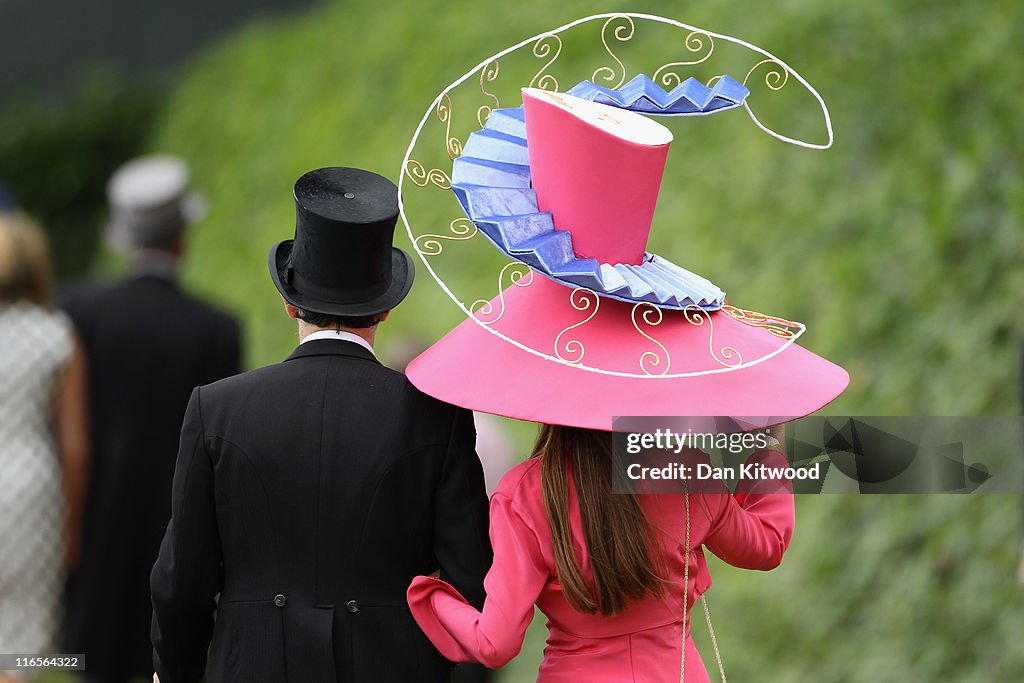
(341, 261)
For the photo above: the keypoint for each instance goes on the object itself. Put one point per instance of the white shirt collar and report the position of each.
(338, 334)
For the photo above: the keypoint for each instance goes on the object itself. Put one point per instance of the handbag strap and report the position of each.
(703, 600)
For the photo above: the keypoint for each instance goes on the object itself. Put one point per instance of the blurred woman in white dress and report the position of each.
(43, 444)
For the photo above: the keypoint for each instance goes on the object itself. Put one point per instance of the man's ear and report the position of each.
(383, 316)
(292, 312)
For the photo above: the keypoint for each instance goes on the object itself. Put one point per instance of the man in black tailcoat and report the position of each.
(308, 494)
(148, 344)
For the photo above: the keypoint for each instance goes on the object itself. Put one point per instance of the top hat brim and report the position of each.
(402, 273)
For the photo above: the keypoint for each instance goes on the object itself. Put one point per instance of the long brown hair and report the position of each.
(615, 528)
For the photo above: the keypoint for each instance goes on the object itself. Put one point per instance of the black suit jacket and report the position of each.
(148, 345)
(308, 494)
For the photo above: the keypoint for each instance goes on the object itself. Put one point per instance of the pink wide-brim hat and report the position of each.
(593, 326)
(702, 356)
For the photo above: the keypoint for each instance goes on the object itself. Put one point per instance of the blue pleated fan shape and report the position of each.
(689, 98)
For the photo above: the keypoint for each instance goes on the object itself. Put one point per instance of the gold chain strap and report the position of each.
(714, 641)
(703, 600)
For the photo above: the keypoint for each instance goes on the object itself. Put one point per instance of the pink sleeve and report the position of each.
(756, 524)
(495, 636)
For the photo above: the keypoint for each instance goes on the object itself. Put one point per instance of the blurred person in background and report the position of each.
(148, 345)
(43, 441)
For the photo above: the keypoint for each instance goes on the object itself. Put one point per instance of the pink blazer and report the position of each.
(751, 529)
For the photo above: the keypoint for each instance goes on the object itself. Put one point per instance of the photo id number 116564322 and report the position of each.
(34, 662)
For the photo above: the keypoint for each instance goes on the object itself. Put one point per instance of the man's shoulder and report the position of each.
(200, 313)
(80, 296)
(282, 382)
(91, 298)
(229, 387)
(399, 389)
(290, 371)
(207, 311)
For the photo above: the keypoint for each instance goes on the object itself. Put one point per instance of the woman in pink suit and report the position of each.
(595, 326)
(610, 571)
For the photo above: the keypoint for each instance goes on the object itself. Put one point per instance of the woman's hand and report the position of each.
(778, 432)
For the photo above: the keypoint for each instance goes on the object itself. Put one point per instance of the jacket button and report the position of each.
(280, 600)
(352, 606)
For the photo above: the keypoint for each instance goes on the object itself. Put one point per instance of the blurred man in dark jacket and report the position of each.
(148, 345)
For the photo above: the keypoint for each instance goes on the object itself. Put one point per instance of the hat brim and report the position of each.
(511, 382)
(402, 274)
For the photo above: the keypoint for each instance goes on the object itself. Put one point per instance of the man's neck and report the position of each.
(155, 262)
(366, 333)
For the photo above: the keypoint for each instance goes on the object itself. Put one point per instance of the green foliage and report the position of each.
(57, 159)
(900, 248)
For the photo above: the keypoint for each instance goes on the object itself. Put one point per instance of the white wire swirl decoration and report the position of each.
(694, 46)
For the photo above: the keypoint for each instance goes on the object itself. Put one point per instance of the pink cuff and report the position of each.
(439, 609)
(773, 458)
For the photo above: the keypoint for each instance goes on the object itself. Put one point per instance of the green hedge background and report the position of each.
(900, 248)
(56, 157)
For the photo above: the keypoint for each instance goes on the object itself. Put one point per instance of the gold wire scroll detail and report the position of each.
(649, 360)
(622, 33)
(462, 229)
(541, 49)
(490, 74)
(452, 144)
(694, 43)
(727, 355)
(581, 302)
(779, 327)
(520, 276)
(421, 176)
(775, 78)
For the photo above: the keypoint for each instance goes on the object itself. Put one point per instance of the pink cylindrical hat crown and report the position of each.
(598, 170)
